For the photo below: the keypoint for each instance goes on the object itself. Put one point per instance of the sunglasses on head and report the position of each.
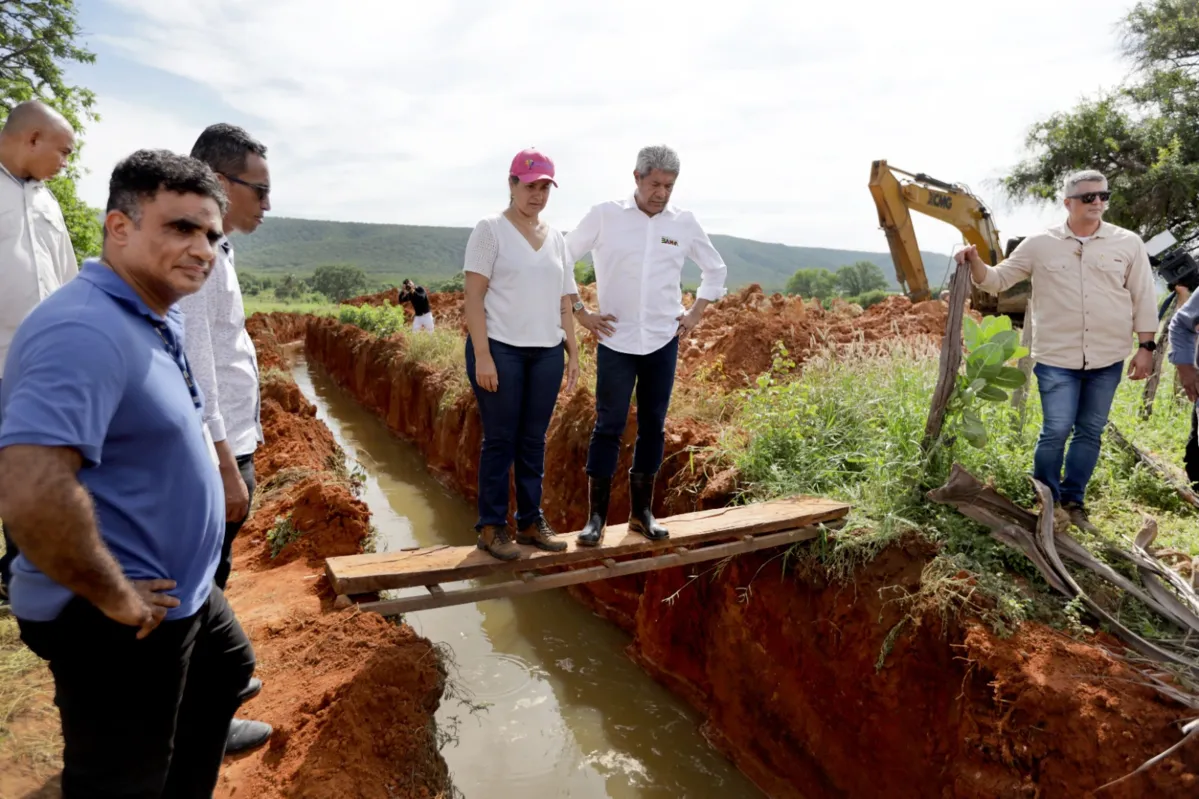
(259, 189)
(1090, 196)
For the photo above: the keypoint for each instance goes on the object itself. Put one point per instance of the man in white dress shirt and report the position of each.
(36, 256)
(639, 245)
(223, 359)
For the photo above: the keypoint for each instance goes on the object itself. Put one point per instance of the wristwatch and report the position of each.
(578, 306)
(1148, 345)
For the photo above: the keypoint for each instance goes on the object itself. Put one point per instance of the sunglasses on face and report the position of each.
(1090, 196)
(262, 191)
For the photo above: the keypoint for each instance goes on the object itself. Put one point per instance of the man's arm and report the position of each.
(66, 383)
(713, 271)
(997, 279)
(198, 343)
(1144, 295)
(579, 242)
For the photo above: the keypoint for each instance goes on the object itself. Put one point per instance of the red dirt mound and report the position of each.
(351, 695)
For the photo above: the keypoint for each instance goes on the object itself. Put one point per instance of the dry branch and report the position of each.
(1036, 538)
(951, 355)
(1159, 358)
(1154, 465)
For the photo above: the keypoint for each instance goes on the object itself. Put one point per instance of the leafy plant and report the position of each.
(987, 378)
(382, 320)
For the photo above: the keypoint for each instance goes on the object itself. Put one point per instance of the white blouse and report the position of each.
(524, 295)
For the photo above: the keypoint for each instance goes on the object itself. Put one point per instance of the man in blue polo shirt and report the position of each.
(109, 486)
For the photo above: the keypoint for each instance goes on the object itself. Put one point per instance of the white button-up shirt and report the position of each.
(36, 256)
(222, 356)
(639, 269)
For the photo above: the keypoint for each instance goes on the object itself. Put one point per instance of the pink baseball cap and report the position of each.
(530, 166)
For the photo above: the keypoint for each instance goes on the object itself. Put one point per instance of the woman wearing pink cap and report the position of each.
(521, 331)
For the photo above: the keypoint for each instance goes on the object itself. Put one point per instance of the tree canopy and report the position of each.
(819, 283)
(339, 281)
(1142, 135)
(37, 37)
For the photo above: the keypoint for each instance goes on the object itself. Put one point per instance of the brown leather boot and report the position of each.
(497, 540)
(541, 535)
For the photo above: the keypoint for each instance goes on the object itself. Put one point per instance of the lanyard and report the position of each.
(180, 361)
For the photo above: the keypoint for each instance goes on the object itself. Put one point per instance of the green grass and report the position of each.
(849, 427)
(266, 302)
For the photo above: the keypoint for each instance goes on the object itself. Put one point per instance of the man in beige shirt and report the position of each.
(1092, 290)
(35, 248)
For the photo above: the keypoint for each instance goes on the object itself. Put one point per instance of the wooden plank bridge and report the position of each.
(694, 538)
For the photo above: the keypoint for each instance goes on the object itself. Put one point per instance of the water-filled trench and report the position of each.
(564, 712)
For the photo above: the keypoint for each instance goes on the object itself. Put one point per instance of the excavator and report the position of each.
(897, 193)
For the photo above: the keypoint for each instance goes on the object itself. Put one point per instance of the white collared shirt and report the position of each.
(639, 269)
(222, 356)
(36, 256)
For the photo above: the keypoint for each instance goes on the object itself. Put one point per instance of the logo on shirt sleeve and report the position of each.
(671, 242)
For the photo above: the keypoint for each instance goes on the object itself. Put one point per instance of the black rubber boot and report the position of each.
(592, 534)
(641, 501)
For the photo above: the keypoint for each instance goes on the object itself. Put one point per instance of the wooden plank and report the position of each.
(360, 574)
(544, 582)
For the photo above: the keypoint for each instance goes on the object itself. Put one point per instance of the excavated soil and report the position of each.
(351, 695)
(786, 668)
(737, 339)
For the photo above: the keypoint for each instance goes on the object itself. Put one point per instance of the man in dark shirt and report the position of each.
(422, 316)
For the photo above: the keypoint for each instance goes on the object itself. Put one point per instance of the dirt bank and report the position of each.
(351, 695)
(783, 666)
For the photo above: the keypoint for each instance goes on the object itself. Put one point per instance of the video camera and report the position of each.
(1175, 265)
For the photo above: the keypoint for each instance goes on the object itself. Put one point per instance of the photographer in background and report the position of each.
(422, 316)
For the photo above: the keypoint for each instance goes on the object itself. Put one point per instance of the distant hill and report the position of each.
(389, 253)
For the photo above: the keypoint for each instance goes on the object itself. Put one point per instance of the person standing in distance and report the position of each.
(1092, 290)
(639, 245)
(108, 482)
(422, 316)
(223, 359)
(521, 331)
(36, 256)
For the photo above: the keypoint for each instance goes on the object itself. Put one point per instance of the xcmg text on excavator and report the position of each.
(897, 193)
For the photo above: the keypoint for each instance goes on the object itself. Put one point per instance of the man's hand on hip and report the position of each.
(1141, 365)
(143, 606)
(1188, 378)
(689, 321)
(599, 325)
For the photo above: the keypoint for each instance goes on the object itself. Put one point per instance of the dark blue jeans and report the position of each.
(1074, 401)
(515, 419)
(617, 375)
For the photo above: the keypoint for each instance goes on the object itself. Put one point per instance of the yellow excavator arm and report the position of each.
(897, 193)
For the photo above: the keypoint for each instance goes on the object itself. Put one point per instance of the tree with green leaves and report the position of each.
(37, 38)
(584, 274)
(339, 281)
(818, 283)
(860, 278)
(1141, 135)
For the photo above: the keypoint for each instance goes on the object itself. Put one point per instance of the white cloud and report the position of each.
(410, 112)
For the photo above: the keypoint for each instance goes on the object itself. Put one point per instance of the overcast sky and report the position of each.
(411, 112)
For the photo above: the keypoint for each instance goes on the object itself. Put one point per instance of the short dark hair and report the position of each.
(224, 147)
(140, 176)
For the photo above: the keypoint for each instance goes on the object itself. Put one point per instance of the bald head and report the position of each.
(36, 141)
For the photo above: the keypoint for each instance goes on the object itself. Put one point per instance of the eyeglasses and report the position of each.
(1090, 196)
(262, 191)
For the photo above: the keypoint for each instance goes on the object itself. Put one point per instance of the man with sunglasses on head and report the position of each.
(1092, 290)
(223, 359)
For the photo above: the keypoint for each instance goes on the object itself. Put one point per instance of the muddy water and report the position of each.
(567, 714)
